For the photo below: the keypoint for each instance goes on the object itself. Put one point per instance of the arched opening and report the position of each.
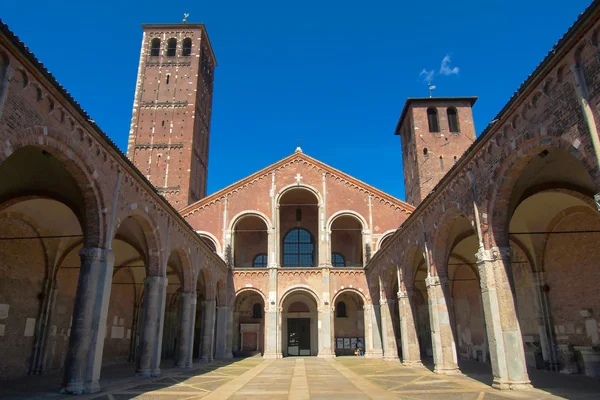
(299, 226)
(250, 239)
(384, 240)
(209, 242)
(260, 261)
(186, 48)
(349, 323)
(553, 231)
(453, 124)
(299, 324)
(42, 208)
(347, 240)
(432, 120)
(155, 47)
(463, 276)
(172, 47)
(248, 324)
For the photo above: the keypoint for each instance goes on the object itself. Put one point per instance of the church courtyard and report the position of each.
(312, 378)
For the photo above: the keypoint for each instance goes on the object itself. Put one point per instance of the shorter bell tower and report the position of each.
(435, 132)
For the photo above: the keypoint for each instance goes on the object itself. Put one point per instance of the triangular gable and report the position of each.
(295, 157)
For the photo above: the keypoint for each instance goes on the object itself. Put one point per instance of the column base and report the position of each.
(391, 358)
(155, 372)
(326, 355)
(224, 356)
(413, 364)
(374, 354)
(273, 355)
(73, 388)
(446, 370)
(501, 384)
(206, 359)
(92, 387)
(144, 373)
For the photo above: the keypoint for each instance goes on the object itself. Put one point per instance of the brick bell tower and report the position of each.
(435, 132)
(170, 123)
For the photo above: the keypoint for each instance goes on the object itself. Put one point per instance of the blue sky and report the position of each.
(332, 74)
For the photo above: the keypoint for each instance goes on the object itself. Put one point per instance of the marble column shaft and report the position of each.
(442, 335)
(390, 349)
(411, 352)
(209, 330)
(152, 326)
(186, 329)
(86, 342)
(224, 325)
(504, 334)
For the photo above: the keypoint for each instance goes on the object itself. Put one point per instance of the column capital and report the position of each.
(93, 254)
(432, 281)
(403, 294)
(368, 307)
(493, 254)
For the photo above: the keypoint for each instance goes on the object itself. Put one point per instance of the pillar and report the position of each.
(272, 346)
(86, 342)
(155, 291)
(208, 331)
(223, 345)
(504, 334)
(442, 336)
(372, 333)
(186, 329)
(411, 353)
(390, 349)
(325, 340)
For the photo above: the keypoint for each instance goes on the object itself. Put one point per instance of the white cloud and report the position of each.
(445, 68)
(427, 75)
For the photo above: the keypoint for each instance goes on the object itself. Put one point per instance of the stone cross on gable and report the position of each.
(298, 177)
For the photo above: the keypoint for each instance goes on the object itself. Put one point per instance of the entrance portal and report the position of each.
(299, 336)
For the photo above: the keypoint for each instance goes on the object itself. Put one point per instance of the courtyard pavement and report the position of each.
(302, 378)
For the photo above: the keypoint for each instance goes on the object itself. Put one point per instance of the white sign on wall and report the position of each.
(4, 311)
(29, 327)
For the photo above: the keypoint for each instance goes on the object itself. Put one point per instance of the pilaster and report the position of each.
(504, 334)
(442, 336)
(86, 343)
(411, 352)
(373, 331)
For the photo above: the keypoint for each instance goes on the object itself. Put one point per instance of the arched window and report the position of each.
(337, 260)
(155, 47)
(171, 47)
(340, 310)
(441, 162)
(298, 249)
(260, 261)
(425, 152)
(453, 120)
(186, 49)
(257, 311)
(432, 120)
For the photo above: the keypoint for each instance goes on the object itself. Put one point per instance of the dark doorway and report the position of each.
(299, 336)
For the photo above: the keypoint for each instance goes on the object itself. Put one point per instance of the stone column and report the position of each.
(272, 347)
(208, 331)
(390, 349)
(86, 342)
(152, 326)
(324, 319)
(186, 329)
(223, 346)
(442, 336)
(411, 353)
(373, 332)
(504, 334)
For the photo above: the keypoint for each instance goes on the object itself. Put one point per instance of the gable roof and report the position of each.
(297, 156)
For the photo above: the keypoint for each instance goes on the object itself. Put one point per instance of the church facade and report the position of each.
(107, 258)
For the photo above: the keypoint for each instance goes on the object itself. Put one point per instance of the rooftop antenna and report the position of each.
(185, 17)
(431, 88)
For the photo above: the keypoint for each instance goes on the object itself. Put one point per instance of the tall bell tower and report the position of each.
(435, 132)
(170, 125)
